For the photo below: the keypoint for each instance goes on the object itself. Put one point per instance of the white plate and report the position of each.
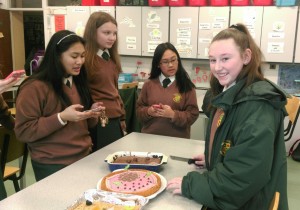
(162, 187)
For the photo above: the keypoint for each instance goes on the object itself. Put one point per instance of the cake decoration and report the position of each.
(132, 181)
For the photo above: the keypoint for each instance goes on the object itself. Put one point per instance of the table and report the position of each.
(64, 187)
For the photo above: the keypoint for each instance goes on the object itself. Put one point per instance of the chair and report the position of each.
(293, 110)
(12, 111)
(130, 85)
(12, 149)
(275, 201)
(129, 97)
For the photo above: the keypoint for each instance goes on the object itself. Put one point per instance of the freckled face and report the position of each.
(73, 59)
(226, 61)
(106, 35)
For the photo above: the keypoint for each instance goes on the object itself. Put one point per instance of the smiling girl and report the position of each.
(244, 145)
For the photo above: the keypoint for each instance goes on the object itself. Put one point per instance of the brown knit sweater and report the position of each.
(184, 105)
(37, 124)
(104, 88)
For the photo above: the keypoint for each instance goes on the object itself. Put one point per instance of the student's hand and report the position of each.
(8, 83)
(152, 111)
(200, 160)
(97, 105)
(74, 113)
(97, 108)
(165, 111)
(174, 185)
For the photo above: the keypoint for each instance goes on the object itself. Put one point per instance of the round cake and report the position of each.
(132, 181)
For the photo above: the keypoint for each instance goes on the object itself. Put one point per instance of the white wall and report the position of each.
(3, 4)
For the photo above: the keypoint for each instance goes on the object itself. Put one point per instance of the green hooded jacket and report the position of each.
(248, 159)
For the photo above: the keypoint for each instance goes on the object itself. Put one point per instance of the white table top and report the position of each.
(62, 188)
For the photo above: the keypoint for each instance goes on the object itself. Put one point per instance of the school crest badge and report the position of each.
(177, 97)
(225, 147)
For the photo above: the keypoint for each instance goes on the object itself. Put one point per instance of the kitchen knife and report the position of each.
(187, 160)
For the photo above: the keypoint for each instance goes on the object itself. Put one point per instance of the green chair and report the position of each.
(129, 97)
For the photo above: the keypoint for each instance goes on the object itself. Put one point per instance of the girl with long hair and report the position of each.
(167, 109)
(51, 104)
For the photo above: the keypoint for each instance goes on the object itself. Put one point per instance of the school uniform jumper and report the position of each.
(248, 159)
(37, 124)
(184, 105)
(103, 83)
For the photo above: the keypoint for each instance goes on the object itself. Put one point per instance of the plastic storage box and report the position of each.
(286, 2)
(262, 2)
(108, 2)
(239, 2)
(219, 2)
(197, 3)
(90, 2)
(177, 3)
(125, 78)
(157, 3)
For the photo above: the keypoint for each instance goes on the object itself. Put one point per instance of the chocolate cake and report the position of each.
(137, 160)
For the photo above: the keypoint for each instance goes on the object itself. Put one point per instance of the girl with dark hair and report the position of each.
(245, 152)
(167, 109)
(51, 104)
(103, 67)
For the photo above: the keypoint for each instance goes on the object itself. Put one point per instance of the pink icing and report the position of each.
(131, 181)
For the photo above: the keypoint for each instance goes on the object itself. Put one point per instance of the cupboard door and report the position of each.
(211, 21)
(251, 17)
(76, 19)
(129, 29)
(297, 50)
(155, 23)
(108, 9)
(184, 30)
(278, 33)
(54, 20)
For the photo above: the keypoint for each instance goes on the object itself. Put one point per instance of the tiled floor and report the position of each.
(293, 182)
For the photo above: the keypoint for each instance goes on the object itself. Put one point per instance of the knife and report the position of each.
(187, 160)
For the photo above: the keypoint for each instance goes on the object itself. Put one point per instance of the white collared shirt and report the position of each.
(100, 52)
(232, 84)
(70, 78)
(162, 77)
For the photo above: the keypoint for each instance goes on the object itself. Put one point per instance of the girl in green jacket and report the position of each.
(244, 148)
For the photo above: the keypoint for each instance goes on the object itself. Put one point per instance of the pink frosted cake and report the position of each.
(132, 181)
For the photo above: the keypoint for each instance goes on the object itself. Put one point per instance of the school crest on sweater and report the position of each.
(177, 97)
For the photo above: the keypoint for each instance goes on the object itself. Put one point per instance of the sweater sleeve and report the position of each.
(92, 122)
(142, 104)
(32, 123)
(189, 114)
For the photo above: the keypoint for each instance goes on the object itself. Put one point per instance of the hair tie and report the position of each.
(237, 27)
